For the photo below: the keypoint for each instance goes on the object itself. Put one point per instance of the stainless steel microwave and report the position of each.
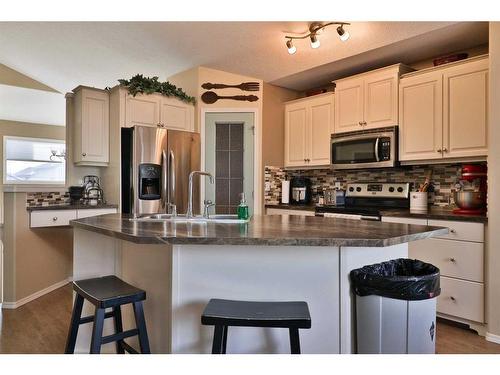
(374, 148)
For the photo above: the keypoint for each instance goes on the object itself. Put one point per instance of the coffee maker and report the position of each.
(470, 190)
(300, 190)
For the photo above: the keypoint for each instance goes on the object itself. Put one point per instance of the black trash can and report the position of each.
(396, 307)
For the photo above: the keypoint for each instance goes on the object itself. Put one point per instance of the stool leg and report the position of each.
(117, 317)
(96, 341)
(294, 341)
(140, 321)
(75, 323)
(220, 340)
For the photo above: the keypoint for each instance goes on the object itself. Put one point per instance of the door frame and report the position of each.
(257, 162)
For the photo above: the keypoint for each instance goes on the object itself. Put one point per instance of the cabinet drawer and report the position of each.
(463, 299)
(460, 259)
(88, 212)
(460, 230)
(404, 220)
(278, 211)
(51, 218)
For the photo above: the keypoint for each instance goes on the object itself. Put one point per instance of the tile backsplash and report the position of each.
(47, 199)
(443, 179)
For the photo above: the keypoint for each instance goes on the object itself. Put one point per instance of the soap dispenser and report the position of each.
(243, 208)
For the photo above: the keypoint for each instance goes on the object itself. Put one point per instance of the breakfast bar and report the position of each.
(182, 265)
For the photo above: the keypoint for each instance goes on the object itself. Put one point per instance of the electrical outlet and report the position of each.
(337, 185)
(267, 186)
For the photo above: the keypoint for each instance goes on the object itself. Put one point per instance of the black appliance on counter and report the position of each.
(300, 190)
(366, 201)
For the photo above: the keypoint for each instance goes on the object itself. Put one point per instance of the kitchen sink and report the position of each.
(222, 219)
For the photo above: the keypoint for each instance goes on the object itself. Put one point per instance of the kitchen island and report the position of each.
(272, 258)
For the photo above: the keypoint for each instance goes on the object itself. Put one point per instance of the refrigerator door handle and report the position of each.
(164, 189)
(172, 177)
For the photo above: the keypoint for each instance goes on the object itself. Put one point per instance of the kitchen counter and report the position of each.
(271, 230)
(70, 207)
(434, 213)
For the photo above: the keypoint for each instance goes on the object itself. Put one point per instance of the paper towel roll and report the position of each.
(285, 191)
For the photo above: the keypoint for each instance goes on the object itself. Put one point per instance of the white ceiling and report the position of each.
(64, 55)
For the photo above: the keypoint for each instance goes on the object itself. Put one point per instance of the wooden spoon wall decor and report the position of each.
(210, 97)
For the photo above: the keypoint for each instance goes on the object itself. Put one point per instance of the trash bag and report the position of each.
(406, 279)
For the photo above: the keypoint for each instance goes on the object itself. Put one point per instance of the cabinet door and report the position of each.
(465, 110)
(92, 134)
(319, 130)
(295, 134)
(420, 117)
(349, 105)
(142, 110)
(381, 100)
(175, 114)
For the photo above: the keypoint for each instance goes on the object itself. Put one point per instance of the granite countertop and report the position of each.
(70, 207)
(433, 213)
(271, 230)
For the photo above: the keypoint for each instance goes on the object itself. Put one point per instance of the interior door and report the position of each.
(295, 134)
(420, 115)
(319, 130)
(183, 150)
(381, 100)
(349, 105)
(466, 109)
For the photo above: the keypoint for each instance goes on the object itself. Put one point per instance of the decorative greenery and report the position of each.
(139, 84)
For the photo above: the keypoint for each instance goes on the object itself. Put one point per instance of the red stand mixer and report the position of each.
(470, 190)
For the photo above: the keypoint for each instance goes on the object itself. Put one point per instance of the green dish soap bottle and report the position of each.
(243, 208)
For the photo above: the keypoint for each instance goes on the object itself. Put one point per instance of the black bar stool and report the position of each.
(108, 292)
(223, 313)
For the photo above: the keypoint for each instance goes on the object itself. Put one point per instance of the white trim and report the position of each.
(257, 188)
(32, 297)
(492, 338)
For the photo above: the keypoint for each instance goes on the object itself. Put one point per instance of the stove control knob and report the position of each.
(400, 189)
(351, 189)
(358, 189)
(391, 189)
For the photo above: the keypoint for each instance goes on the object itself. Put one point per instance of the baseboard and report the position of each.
(492, 338)
(22, 301)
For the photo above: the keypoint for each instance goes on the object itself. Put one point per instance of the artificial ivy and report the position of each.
(139, 84)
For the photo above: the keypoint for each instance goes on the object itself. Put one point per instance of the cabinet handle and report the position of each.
(453, 231)
(445, 149)
(364, 123)
(452, 260)
(439, 150)
(54, 218)
(360, 123)
(158, 125)
(84, 154)
(452, 298)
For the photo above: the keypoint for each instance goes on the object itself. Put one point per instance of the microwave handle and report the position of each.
(376, 149)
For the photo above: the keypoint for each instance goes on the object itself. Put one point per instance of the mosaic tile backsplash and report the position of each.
(443, 179)
(47, 199)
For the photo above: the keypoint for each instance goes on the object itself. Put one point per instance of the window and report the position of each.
(33, 161)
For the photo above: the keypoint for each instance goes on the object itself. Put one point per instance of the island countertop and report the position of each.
(272, 230)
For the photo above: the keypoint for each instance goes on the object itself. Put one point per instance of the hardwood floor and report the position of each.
(41, 326)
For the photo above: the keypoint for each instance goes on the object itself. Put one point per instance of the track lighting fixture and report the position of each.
(314, 29)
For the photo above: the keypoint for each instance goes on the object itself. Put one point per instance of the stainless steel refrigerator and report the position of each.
(156, 163)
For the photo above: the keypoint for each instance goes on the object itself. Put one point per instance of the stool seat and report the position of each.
(293, 314)
(108, 291)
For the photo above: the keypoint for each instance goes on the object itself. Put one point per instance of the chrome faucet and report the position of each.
(189, 212)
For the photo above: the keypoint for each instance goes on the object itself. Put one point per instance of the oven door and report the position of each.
(375, 150)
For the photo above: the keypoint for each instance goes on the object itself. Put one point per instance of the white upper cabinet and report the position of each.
(91, 126)
(443, 112)
(156, 109)
(465, 112)
(368, 100)
(308, 127)
(421, 117)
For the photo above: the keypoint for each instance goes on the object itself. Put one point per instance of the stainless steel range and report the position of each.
(366, 201)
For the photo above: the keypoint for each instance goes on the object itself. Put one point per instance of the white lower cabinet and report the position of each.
(59, 218)
(459, 255)
(281, 211)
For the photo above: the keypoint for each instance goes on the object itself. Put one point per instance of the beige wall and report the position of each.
(475, 51)
(493, 239)
(273, 123)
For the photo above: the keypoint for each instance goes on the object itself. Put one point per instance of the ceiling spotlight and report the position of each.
(291, 48)
(314, 41)
(343, 34)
